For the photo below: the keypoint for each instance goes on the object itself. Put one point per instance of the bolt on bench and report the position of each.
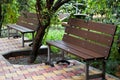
(26, 23)
(88, 40)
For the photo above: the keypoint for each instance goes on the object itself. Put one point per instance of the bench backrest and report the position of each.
(28, 20)
(96, 37)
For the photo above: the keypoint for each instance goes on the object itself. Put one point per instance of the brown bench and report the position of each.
(88, 40)
(26, 23)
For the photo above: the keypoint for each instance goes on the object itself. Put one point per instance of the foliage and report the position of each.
(26, 5)
(2, 2)
(106, 11)
(45, 11)
(5, 1)
(10, 11)
(112, 66)
(13, 8)
(54, 34)
(115, 54)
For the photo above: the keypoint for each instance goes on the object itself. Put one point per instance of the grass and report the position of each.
(54, 33)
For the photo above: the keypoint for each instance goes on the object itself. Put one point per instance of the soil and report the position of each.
(23, 60)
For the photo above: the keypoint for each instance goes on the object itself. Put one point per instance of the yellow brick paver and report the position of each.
(68, 69)
(38, 78)
(59, 71)
(39, 71)
(2, 77)
(49, 74)
(78, 77)
(11, 75)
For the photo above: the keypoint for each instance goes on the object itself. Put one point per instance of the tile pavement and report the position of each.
(9, 45)
(39, 71)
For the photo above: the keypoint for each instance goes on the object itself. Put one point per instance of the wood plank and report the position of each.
(28, 20)
(33, 27)
(80, 49)
(32, 15)
(88, 40)
(27, 23)
(29, 15)
(69, 50)
(89, 35)
(106, 28)
(87, 45)
(20, 28)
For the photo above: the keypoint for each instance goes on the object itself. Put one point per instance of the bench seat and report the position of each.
(83, 53)
(22, 29)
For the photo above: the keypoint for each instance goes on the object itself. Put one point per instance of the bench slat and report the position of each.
(20, 28)
(28, 20)
(31, 15)
(87, 45)
(89, 35)
(69, 50)
(33, 27)
(106, 28)
(82, 50)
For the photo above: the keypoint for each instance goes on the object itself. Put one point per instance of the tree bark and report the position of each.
(44, 22)
(37, 43)
(1, 20)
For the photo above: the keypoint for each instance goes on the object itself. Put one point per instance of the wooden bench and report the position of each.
(27, 23)
(88, 40)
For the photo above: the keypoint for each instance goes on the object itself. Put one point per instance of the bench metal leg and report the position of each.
(63, 54)
(32, 36)
(8, 32)
(87, 71)
(49, 58)
(103, 69)
(22, 39)
(99, 75)
(49, 55)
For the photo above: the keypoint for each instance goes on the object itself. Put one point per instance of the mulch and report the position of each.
(23, 60)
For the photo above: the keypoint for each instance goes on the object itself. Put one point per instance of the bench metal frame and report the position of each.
(23, 31)
(87, 65)
(25, 24)
(82, 47)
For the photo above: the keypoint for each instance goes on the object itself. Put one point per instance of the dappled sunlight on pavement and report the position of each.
(74, 71)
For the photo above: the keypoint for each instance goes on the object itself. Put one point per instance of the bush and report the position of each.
(54, 34)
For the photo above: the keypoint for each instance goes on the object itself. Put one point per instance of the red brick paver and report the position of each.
(43, 72)
(40, 71)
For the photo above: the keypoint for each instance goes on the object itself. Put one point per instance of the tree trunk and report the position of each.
(37, 43)
(1, 20)
(44, 21)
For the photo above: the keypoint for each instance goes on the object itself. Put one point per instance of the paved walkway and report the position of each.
(39, 71)
(9, 45)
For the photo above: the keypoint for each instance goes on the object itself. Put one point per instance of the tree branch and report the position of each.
(49, 4)
(58, 4)
(38, 9)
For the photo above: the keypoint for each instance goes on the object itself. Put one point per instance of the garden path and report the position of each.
(9, 71)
